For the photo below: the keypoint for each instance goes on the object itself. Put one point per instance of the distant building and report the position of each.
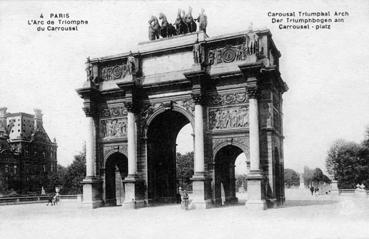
(27, 155)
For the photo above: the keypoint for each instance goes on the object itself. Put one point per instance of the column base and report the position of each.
(201, 188)
(255, 191)
(92, 192)
(231, 200)
(134, 192)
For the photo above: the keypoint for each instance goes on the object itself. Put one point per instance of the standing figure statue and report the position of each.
(167, 29)
(131, 64)
(198, 53)
(203, 20)
(181, 27)
(190, 23)
(154, 28)
(89, 69)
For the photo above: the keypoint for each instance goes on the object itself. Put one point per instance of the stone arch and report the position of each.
(225, 155)
(236, 143)
(107, 154)
(162, 109)
(116, 169)
(162, 131)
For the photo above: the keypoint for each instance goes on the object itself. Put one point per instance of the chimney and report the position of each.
(3, 126)
(38, 118)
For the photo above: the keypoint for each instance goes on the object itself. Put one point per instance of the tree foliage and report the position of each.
(348, 163)
(74, 175)
(241, 181)
(184, 167)
(291, 178)
(314, 177)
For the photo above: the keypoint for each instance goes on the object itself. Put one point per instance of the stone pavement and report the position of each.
(303, 216)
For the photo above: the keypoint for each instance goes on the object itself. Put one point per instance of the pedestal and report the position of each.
(255, 191)
(201, 188)
(92, 192)
(134, 192)
(334, 187)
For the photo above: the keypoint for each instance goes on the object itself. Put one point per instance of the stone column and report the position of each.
(91, 148)
(91, 184)
(132, 184)
(255, 187)
(132, 144)
(200, 183)
(199, 140)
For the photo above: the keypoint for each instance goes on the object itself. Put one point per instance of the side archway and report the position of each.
(224, 186)
(116, 169)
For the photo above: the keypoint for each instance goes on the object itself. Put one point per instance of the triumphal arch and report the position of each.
(227, 87)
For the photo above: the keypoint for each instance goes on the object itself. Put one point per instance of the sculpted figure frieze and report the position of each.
(119, 71)
(228, 118)
(113, 128)
(227, 99)
(113, 112)
(230, 54)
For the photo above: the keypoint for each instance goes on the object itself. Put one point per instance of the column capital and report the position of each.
(130, 106)
(89, 111)
(252, 92)
(198, 99)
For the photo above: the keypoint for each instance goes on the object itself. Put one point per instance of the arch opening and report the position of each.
(116, 169)
(163, 179)
(231, 168)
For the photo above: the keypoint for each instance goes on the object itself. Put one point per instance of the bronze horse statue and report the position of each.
(154, 28)
(181, 26)
(190, 22)
(166, 29)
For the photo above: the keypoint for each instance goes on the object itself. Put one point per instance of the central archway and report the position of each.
(116, 169)
(161, 150)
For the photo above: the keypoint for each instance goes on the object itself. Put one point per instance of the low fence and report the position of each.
(353, 192)
(32, 199)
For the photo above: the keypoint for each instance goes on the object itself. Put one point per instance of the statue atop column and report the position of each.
(198, 53)
(131, 64)
(92, 71)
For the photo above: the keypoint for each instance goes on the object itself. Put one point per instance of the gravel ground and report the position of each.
(302, 216)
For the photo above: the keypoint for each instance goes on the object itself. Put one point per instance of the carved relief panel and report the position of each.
(233, 53)
(113, 123)
(228, 118)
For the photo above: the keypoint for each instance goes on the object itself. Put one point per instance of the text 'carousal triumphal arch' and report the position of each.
(227, 87)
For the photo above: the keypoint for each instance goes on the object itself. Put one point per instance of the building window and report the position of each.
(6, 168)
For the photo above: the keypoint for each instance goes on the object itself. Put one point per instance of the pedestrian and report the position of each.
(312, 190)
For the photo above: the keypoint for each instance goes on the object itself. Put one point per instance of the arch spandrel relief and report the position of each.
(113, 122)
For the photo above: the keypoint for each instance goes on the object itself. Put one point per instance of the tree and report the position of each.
(55, 178)
(314, 177)
(291, 178)
(348, 163)
(74, 175)
(184, 167)
(308, 176)
(241, 181)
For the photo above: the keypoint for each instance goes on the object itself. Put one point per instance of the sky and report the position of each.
(326, 70)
